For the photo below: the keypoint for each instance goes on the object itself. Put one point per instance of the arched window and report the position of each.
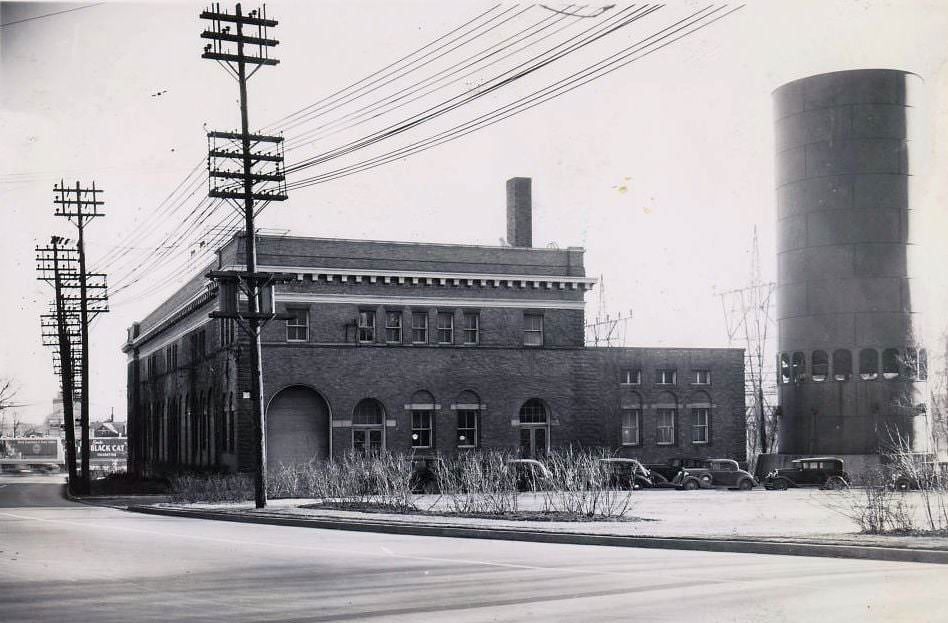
(842, 364)
(868, 364)
(422, 419)
(911, 363)
(820, 366)
(630, 406)
(468, 408)
(784, 372)
(798, 367)
(368, 426)
(890, 363)
(534, 429)
(922, 364)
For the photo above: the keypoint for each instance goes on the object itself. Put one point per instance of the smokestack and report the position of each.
(519, 212)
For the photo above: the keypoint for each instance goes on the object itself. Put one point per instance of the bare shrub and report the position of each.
(873, 505)
(478, 483)
(581, 484)
(211, 488)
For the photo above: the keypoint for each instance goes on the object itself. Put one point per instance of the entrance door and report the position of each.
(533, 442)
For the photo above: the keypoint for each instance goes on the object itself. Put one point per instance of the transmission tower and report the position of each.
(81, 205)
(606, 330)
(750, 323)
(244, 169)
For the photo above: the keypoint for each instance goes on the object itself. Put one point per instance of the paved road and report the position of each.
(68, 562)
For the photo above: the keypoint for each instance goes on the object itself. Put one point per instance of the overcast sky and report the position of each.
(661, 169)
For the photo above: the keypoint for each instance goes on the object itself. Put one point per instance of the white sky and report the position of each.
(687, 130)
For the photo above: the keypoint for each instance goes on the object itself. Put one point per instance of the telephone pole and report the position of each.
(261, 160)
(52, 263)
(81, 205)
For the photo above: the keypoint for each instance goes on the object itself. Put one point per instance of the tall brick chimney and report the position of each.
(519, 212)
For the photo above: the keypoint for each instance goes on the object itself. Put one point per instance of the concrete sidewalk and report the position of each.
(643, 534)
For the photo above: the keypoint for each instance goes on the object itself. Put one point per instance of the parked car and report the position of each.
(531, 475)
(823, 472)
(917, 476)
(727, 473)
(627, 473)
(675, 475)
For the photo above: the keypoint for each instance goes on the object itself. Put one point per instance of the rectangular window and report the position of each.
(666, 427)
(632, 377)
(297, 327)
(631, 422)
(467, 429)
(701, 418)
(533, 330)
(393, 327)
(445, 328)
(419, 327)
(366, 326)
(472, 324)
(421, 429)
(702, 377)
(666, 376)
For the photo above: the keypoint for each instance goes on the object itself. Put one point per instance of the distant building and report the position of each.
(426, 348)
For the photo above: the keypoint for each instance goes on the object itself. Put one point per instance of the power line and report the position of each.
(30, 19)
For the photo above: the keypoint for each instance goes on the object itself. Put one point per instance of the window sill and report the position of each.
(664, 443)
(700, 443)
(631, 445)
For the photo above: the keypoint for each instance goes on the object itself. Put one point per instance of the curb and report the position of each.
(737, 546)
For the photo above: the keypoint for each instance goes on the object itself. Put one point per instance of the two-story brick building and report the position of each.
(425, 348)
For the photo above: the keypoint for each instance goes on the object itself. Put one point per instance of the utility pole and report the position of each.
(81, 205)
(226, 148)
(52, 263)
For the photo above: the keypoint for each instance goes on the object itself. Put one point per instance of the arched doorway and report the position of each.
(297, 427)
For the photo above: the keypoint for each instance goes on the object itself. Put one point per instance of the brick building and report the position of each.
(425, 348)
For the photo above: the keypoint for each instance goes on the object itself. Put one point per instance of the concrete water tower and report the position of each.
(851, 368)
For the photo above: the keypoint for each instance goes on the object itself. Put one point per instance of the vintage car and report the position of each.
(727, 473)
(918, 475)
(531, 475)
(675, 475)
(627, 473)
(823, 472)
(424, 478)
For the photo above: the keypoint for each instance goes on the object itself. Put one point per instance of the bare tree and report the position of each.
(8, 393)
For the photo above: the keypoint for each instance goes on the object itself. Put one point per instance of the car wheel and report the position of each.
(780, 485)
(691, 485)
(903, 484)
(706, 479)
(745, 485)
(835, 482)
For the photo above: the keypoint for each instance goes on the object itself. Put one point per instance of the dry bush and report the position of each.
(382, 480)
(212, 488)
(478, 483)
(580, 484)
(875, 506)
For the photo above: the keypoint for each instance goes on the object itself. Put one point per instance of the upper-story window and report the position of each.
(868, 364)
(798, 367)
(702, 377)
(783, 368)
(820, 366)
(632, 376)
(297, 325)
(666, 376)
(445, 327)
(366, 326)
(890, 363)
(393, 327)
(419, 327)
(533, 329)
(472, 326)
(842, 365)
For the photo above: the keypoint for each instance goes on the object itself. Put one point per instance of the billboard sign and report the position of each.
(39, 449)
(108, 449)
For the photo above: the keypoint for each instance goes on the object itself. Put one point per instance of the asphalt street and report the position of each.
(61, 561)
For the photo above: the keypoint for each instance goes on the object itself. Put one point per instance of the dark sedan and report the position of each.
(822, 472)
